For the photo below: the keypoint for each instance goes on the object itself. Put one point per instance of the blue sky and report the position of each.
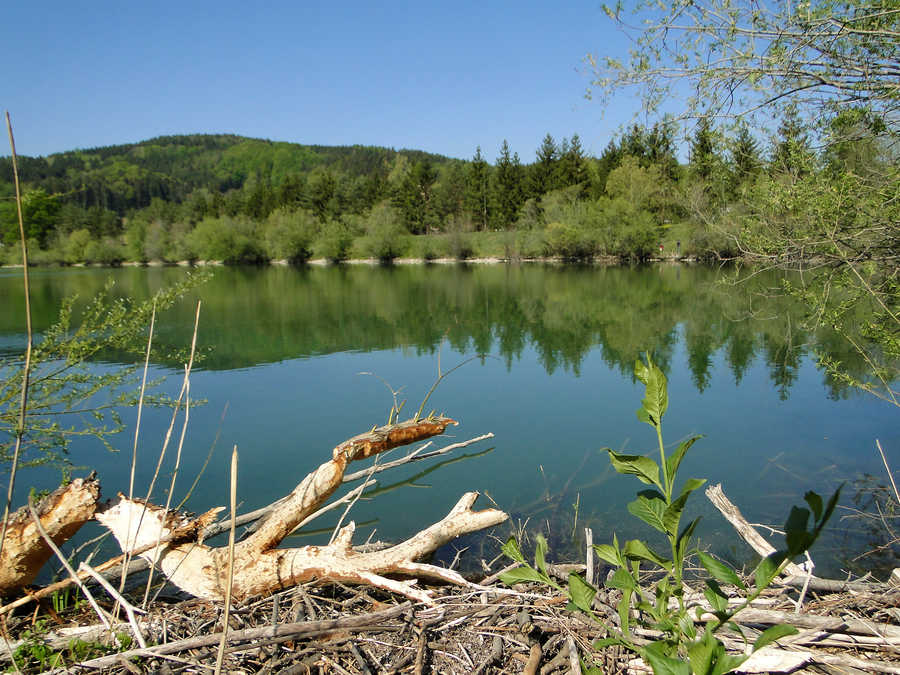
(441, 77)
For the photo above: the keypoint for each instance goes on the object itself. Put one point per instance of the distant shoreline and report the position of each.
(323, 262)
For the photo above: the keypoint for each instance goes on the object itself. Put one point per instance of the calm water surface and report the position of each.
(551, 353)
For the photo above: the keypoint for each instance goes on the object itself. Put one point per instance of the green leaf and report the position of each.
(672, 515)
(520, 574)
(685, 537)
(624, 609)
(720, 571)
(511, 550)
(581, 593)
(540, 554)
(773, 633)
(673, 461)
(656, 399)
(638, 549)
(646, 470)
(815, 503)
(622, 580)
(795, 534)
(715, 596)
(608, 553)
(768, 568)
(829, 509)
(662, 664)
(651, 511)
(701, 654)
(606, 642)
(727, 663)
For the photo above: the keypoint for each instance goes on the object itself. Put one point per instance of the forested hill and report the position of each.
(127, 177)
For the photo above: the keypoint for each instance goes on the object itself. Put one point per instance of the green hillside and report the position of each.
(120, 178)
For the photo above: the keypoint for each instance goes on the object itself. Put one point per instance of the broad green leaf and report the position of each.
(624, 609)
(638, 549)
(608, 553)
(720, 571)
(692, 484)
(622, 580)
(684, 537)
(701, 654)
(772, 633)
(581, 593)
(521, 574)
(644, 468)
(672, 515)
(540, 554)
(511, 550)
(662, 664)
(815, 503)
(795, 534)
(673, 461)
(768, 568)
(651, 511)
(606, 642)
(715, 597)
(727, 663)
(656, 399)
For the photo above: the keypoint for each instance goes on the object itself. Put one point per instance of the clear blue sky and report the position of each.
(441, 77)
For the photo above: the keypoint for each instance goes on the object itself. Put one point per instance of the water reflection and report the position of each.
(254, 316)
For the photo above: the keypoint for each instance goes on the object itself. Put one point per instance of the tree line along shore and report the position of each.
(240, 200)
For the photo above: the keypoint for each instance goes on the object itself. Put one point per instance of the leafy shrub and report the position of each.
(531, 244)
(106, 251)
(75, 246)
(334, 241)
(231, 240)
(385, 238)
(288, 235)
(569, 242)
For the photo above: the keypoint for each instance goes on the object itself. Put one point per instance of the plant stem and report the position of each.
(20, 424)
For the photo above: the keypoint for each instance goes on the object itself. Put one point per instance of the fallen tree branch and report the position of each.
(260, 568)
(61, 514)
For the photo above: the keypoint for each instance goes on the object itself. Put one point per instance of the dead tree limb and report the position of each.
(261, 568)
(61, 514)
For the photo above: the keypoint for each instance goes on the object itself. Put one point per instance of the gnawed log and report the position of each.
(261, 568)
(62, 513)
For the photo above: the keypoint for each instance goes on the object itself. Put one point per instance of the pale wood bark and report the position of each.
(260, 568)
(61, 513)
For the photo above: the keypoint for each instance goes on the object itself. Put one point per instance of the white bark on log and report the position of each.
(260, 568)
(61, 514)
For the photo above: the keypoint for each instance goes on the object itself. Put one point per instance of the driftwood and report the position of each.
(61, 514)
(261, 568)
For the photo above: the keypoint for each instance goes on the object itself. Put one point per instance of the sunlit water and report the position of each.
(284, 379)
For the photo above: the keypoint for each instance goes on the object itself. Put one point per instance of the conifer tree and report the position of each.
(477, 198)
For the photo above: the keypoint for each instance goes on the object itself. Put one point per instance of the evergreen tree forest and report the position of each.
(241, 200)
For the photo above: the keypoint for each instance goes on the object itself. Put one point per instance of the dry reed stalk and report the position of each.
(185, 388)
(120, 601)
(23, 405)
(888, 469)
(65, 563)
(233, 493)
(140, 409)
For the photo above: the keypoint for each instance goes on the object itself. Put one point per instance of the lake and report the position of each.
(297, 360)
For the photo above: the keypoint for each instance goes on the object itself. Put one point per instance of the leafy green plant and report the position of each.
(682, 648)
(70, 396)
